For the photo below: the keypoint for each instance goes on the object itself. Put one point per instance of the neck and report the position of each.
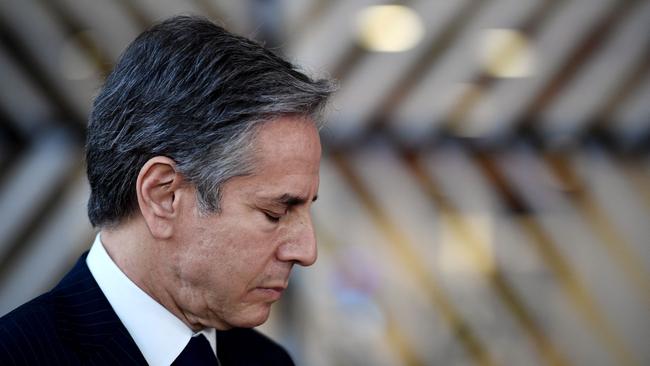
(145, 261)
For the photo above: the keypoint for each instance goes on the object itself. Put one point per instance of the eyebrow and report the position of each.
(289, 199)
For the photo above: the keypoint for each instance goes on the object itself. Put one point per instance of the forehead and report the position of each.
(287, 145)
(286, 159)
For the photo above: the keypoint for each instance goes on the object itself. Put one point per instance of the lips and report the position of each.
(270, 293)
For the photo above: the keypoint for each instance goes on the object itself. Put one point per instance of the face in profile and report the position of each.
(232, 265)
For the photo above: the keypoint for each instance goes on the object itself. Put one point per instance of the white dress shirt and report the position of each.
(159, 335)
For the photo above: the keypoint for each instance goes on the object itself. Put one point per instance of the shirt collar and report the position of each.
(159, 334)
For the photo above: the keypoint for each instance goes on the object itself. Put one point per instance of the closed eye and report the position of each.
(272, 217)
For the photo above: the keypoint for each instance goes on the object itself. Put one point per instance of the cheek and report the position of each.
(199, 256)
(235, 254)
(246, 254)
(230, 251)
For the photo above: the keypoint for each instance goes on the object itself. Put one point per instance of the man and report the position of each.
(203, 158)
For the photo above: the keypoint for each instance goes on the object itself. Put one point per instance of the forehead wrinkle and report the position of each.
(282, 137)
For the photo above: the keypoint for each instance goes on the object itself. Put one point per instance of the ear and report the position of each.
(157, 186)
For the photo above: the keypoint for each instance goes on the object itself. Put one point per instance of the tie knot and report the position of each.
(197, 352)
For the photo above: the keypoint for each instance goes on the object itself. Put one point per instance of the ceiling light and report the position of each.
(389, 28)
(507, 53)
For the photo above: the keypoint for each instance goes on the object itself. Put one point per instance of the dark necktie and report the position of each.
(197, 352)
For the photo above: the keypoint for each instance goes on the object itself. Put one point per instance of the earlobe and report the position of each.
(156, 188)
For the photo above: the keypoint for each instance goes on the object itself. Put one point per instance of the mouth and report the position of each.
(270, 293)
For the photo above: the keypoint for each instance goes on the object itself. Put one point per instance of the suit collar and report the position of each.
(87, 321)
(158, 333)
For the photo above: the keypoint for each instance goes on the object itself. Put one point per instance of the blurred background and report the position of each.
(485, 188)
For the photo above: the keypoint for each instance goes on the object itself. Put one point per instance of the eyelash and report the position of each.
(272, 218)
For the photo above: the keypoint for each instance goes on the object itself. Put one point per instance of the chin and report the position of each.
(253, 316)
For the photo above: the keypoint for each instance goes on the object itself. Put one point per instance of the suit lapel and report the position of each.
(88, 323)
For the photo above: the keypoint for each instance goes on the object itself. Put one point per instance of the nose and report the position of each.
(300, 246)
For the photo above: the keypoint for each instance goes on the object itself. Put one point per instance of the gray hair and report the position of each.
(189, 90)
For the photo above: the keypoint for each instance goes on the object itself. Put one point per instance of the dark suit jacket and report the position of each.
(74, 324)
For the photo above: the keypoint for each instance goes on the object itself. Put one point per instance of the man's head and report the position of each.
(207, 144)
(189, 90)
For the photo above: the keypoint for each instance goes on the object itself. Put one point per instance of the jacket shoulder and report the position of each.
(243, 346)
(28, 333)
(70, 325)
